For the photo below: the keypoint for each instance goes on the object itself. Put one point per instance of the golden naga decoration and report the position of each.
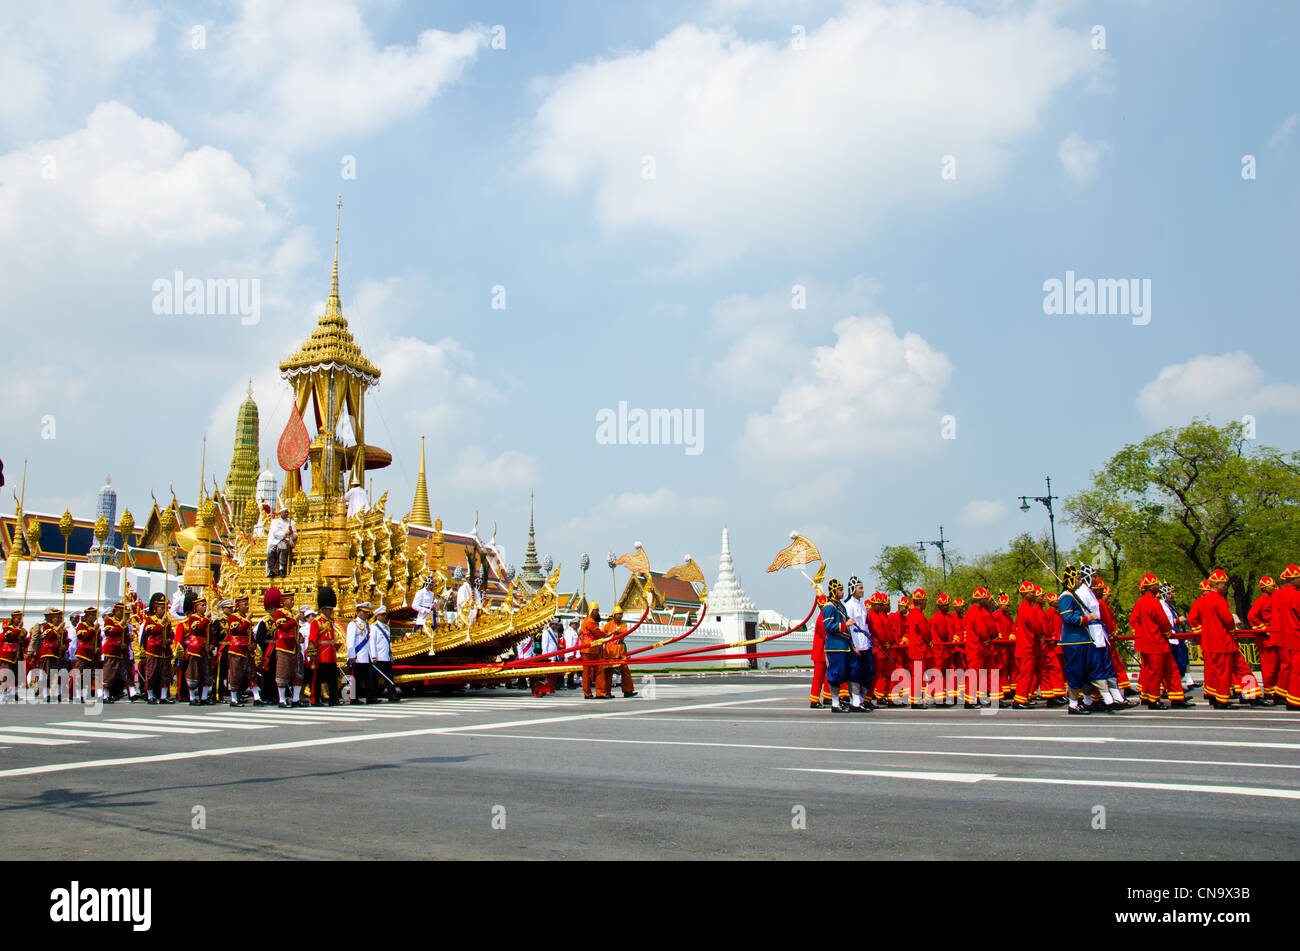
(690, 572)
(800, 551)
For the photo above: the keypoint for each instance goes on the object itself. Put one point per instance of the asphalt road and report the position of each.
(709, 768)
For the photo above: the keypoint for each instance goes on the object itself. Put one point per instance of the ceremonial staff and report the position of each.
(65, 529)
(102, 530)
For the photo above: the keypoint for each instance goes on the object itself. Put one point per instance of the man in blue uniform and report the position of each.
(839, 647)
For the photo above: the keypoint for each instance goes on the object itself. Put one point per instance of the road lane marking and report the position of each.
(1124, 739)
(880, 752)
(330, 740)
(1263, 792)
(36, 740)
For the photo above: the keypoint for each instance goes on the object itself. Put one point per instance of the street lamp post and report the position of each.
(1051, 516)
(942, 545)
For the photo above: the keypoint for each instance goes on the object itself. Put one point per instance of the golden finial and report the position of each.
(208, 513)
(167, 520)
(250, 513)
(33, 534)
(126, 526)
(65, 525)
(338, 223)
(102, 529)
(420, 507)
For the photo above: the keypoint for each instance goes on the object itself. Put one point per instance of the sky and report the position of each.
(824, 232)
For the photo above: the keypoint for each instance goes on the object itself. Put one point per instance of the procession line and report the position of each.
(885, 752)
(1256, 791)
(319, 741)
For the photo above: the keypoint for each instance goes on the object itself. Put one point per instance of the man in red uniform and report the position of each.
(285, 639)
(1052, 679)
(1274, 665)
(114, 648)
(1285, 620)
(13, 648)
(956, 672)
(942, 631)
(154, 631)
(1226, 671)
(49, 645)
(881, 645)
(1030, 634)
(918, 649)
(1108, 621)
(239, 647)
(980, 632)
(1151, 632)
(1004, 640)
(322, 647)
(192, 636)
(85, 658)
(588, 634)
(819, 692)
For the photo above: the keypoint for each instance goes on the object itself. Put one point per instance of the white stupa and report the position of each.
(730, 606)
(726, 596)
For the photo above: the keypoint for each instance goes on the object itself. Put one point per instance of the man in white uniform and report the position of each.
(425, 605)
(862, 669)
(280, 539)
(358, 640)
(381, 654)
(571, 640)
(356, 498)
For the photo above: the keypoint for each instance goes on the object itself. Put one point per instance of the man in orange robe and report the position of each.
(615, 652)
(590, 651)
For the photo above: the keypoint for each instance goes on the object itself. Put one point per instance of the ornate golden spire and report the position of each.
(334, 281)
(420, 510)
(331, 344)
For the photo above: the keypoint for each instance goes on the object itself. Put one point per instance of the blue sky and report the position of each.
(775, 166)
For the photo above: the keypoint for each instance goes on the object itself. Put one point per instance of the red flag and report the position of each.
(294, 442)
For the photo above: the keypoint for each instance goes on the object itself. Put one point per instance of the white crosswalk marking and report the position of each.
(35, 740)
(94, 734)
(207, 721)
(132, 723)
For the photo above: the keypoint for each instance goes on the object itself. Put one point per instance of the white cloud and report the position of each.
(49, 51)
(124, 176)
(306, 73)
(472, 471)
(617, 514)
(984, 511)
(766, 332)
(759, 142)
(872, 388)
(1226, 385)
(1283, 131)
(1081, 158)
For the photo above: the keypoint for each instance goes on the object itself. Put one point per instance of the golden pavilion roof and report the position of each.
(331, 345)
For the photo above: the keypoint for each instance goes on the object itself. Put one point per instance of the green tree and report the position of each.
(898, 568)
(1190, 499)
